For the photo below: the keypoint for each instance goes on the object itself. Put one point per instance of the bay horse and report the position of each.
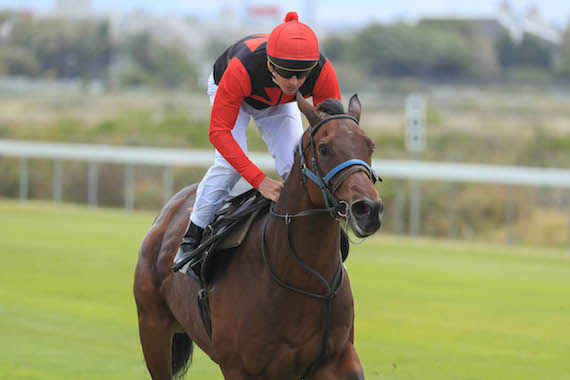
(283, 307)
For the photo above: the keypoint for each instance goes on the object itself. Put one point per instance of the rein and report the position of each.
(331, 290)
(338, 210)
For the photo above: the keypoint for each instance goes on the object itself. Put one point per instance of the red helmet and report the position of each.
(293, 45)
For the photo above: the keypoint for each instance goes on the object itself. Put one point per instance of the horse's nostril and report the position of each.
(360, 208)
(367, 216)
(366, 208)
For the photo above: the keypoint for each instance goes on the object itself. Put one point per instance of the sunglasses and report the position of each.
(288, 74)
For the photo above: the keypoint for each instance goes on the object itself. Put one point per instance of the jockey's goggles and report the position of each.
(289, 73)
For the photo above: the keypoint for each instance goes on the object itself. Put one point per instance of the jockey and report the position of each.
(257, 77)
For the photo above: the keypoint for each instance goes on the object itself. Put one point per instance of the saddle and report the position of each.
(227, 230)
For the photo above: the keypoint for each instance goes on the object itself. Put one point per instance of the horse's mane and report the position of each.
(331, 106)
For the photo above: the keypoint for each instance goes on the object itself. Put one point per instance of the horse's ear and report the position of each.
(308, 110)
(354, 107)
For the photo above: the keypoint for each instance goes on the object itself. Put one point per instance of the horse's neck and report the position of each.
(315, 239)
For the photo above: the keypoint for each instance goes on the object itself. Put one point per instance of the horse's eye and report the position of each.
(324, 150)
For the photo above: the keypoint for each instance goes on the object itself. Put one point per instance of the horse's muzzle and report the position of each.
(366, 217)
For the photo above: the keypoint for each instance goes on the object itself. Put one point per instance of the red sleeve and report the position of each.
(234, 87)
(326, 85)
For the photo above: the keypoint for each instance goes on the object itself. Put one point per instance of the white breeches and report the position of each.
(279, 126)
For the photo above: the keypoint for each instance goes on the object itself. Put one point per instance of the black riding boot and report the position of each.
(189, 242)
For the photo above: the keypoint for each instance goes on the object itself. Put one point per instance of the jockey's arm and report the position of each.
(233, 88)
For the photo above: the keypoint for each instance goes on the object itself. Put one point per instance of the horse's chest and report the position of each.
(280, 340)
(289, 354)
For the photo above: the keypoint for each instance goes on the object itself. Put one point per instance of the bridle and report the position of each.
(337, 209)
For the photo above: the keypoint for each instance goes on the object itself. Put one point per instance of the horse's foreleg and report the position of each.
(347, 367)
(155, 329)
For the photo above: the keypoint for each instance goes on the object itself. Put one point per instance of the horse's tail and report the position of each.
(182, 348)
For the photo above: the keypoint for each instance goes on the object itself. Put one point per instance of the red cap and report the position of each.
(293, 40)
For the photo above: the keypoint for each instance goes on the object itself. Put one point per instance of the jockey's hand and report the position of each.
(270, 189)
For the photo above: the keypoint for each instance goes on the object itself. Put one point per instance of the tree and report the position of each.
(529, 52)
(84, 50)
(15, 60)
(404, 50)
(51, 48)
(159, 64)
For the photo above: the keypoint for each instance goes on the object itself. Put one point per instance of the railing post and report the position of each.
(92, 184)
(510, 216)
(452, 211)
(57, 181)
(398, 207)
(415, 207)
(129, 186)
(24, 179)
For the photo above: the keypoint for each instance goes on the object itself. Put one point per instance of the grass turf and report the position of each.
(424, 309)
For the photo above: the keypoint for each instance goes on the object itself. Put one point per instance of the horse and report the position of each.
(283, 306)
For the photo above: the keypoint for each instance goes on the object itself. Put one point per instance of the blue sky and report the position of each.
(327, 11)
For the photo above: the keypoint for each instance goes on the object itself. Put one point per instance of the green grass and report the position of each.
(425, 309)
